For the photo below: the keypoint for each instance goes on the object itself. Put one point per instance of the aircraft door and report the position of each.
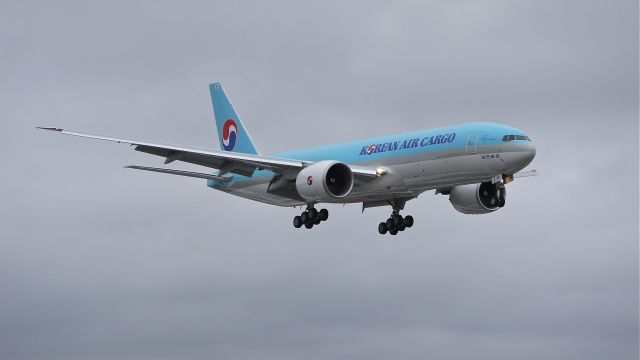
(472, 143)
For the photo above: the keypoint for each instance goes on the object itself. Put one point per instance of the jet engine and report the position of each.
(324, 181)
(478, 198)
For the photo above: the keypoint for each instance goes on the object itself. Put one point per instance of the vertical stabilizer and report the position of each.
(232, 134)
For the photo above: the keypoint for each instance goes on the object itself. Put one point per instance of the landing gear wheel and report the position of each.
(308, 225)
(390, 224)
(297, 222)
(408, 221)
(382, 228)
(401, 227)
(317, 221)
(304, 217)
(501, 202)
(397, 220)
(393, 231)
(313, 213)
(323, 214)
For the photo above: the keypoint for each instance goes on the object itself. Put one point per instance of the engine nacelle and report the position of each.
(478, 198)
(324, 181)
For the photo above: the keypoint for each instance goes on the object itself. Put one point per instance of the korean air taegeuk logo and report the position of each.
(229, 134)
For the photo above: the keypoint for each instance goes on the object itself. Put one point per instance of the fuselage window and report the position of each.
(508, 138)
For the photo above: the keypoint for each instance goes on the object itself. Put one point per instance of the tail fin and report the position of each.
(231, 132)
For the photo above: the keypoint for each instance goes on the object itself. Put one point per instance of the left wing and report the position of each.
(226, 162)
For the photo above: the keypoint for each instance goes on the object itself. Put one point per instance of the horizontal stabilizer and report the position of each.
(181, 173)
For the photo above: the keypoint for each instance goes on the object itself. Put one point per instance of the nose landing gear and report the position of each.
(310, 217)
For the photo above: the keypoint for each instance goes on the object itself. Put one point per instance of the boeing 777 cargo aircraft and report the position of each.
(471, 163)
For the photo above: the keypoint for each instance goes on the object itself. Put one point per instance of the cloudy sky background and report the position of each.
(101, 262)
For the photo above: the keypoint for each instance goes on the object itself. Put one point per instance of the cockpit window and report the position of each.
(508, 138)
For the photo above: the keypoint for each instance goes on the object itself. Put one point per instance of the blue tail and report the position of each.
(231, 132)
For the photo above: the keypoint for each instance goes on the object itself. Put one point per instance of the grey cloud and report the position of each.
(97, 261)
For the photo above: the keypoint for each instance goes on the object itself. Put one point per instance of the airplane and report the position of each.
(471, 163)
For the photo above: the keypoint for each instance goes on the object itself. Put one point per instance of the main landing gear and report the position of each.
(395, 223)
(310, 217)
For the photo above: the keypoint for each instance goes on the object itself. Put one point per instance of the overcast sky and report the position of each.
(100, 262)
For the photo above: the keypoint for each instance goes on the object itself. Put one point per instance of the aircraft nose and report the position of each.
(531, 154)
(528, 152)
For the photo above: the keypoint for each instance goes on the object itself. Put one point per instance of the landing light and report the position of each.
(381, 171)
(507, 178)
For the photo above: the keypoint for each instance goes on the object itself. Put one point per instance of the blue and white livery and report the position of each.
(471, 163)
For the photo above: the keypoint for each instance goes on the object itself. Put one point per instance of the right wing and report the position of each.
(525, 173)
